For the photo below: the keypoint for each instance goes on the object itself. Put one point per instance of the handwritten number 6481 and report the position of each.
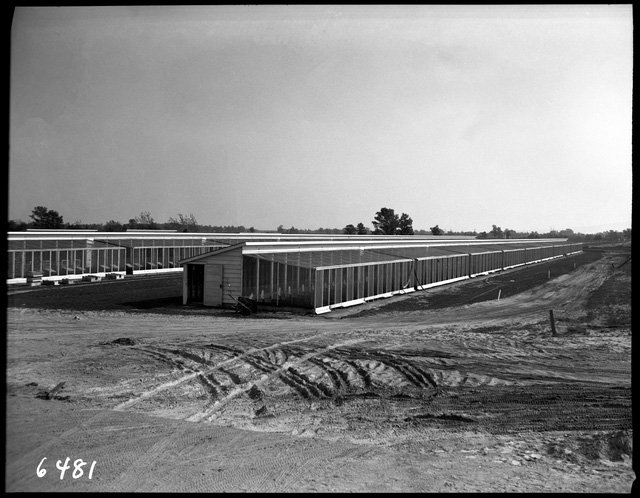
(63, 467)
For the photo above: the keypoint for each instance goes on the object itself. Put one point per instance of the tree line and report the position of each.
(42, 217)
(385, 222)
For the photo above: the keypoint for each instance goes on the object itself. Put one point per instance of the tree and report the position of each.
(45, 218)
(145, 220)
(17, 226)
(386, 222)
(496, 232)
(349, 230)
(436, 230)
(613, 236)
(113, 226)
(361, 229)
(77, 225)
(183, 223)
(405, 225)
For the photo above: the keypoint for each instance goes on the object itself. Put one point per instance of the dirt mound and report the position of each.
(53, 393)
(613, 446)
(122, 341)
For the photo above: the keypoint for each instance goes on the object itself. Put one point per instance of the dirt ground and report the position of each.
(451, 389)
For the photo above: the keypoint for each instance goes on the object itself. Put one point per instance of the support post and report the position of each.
(553, 324)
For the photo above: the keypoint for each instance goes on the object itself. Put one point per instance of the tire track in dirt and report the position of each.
(390, 370)
(293, 474)
(209, 385)
(415, 375)
(163, 357)
(290, 374)
(525, 408)
(364, 375)
(193, 374)
(260, 364)
(317, 389)
(129, 479)
(279, 472)
(339, 379)
(421, 378)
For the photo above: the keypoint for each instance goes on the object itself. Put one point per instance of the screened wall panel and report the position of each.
(277, 283)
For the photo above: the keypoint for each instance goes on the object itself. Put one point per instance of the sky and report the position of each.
(463, 117)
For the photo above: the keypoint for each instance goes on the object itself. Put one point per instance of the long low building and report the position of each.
(60, 254)
(320, 275)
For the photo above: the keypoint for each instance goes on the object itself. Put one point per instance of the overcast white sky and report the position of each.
(460, 116)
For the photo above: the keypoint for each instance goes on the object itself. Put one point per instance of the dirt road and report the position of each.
(478, 397)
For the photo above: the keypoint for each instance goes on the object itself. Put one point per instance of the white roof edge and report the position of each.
(251, 247)
(401, 242)
(303, 246)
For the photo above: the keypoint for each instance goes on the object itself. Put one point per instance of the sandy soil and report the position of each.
(395, 395)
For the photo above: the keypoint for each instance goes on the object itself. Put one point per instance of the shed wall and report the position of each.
(222, 276)
(231, 275)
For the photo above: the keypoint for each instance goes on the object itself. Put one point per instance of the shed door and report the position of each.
(213, 285)
(195, 283)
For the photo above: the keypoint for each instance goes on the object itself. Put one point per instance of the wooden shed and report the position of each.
(213, 278)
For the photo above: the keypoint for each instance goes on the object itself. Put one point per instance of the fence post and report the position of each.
(553, 323)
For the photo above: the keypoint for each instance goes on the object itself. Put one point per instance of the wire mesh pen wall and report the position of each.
(80, 256)
(325, 279)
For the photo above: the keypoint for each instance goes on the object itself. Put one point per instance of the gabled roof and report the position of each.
(210, 253)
